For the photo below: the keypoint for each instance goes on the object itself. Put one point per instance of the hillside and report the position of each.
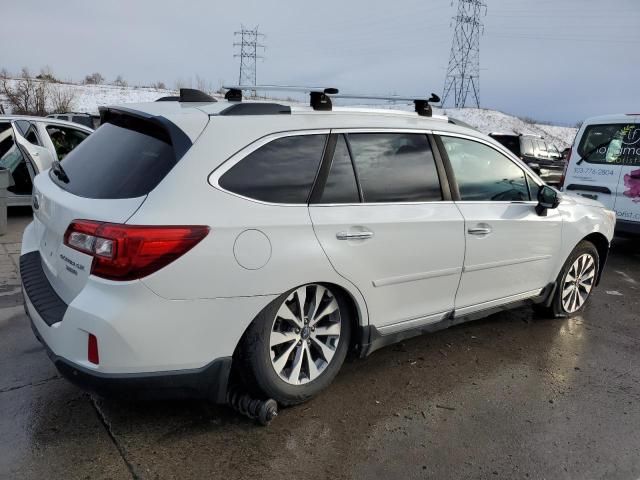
(89, 97)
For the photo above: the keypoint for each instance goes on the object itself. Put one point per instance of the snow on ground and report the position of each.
(89, 97)
(488, 121)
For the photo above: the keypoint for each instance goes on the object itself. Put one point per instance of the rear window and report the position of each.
(124, 159)
(616, 144)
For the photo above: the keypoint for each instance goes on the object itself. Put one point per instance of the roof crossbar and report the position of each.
(422, 105)
(319, 97)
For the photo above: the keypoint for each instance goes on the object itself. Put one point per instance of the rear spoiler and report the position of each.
(160, 127)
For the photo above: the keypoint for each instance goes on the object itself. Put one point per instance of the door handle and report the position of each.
(354, 235)
(479, 231)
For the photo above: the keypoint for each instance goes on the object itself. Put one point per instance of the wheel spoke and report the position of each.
(281, 361)
(331, 307)
(278, 338)
(294, 376)
(301, 294)
(327, 352)
(320, 291)
(285, 313)
(567, 291)
(570, 277)
(331, 329)
(313, 369)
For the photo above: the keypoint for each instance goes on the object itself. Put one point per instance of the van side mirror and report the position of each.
(547, 198)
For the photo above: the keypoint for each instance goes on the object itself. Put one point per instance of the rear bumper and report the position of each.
(149, 347)
(209, 382)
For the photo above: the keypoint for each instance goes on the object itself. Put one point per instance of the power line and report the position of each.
(249, 45)
(463, 72)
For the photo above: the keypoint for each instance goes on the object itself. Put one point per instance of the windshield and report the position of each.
(616, 143)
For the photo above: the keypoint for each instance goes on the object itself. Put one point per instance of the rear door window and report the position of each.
(617, 144)
(125, 158)
(395, 167)
(341, 185)
(282, 171)
(484, 174)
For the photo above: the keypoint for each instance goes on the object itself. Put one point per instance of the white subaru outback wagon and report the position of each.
(192, 241)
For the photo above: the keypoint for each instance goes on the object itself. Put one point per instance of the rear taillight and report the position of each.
(564, 171)
(127, 252)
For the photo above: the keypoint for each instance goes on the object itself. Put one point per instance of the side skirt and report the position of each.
(370, 338)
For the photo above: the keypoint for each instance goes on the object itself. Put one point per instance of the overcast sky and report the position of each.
(559, 60)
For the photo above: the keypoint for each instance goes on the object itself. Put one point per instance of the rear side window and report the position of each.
(65, 139)
(512, 142)
(484, 174)
(282, 171)
(527, 147)
(341, 185)
(123, 159)
(395, 167)
(617, 144)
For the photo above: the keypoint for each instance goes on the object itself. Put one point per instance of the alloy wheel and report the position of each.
(578, 283)
(305, 334)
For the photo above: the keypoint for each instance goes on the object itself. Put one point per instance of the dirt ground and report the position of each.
(510, 396)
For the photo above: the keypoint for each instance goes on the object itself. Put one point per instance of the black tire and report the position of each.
(556, 308)
(253, 360)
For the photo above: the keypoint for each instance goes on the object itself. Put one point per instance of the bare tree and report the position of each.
(159, 86)
(62, 99)
(46, 74)
(119, 81)
(94, 78)
(26, 95)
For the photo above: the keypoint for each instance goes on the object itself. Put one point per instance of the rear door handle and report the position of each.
(479, 231)
(354, 235)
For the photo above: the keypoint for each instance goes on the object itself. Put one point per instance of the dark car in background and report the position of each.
(87, 119)
(542, 157)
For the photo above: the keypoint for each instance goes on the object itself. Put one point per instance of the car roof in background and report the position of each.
(613, 118)
(50, 120)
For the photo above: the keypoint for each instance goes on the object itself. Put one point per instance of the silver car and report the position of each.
(29, 145)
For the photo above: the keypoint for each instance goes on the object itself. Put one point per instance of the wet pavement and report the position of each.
(510, 396)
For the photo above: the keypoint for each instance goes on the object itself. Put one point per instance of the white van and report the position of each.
(604, 164)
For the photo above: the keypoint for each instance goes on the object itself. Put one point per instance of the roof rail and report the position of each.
(318, 96)
(189, 95)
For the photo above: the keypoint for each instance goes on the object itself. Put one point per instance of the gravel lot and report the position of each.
(511, 396)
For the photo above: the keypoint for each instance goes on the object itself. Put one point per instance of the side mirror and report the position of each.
(547, 198)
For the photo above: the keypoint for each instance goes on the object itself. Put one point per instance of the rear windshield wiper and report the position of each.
(593, 150)
(59, 172)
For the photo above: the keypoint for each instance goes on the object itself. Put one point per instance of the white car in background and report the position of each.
(191, 240)
(604, 165)
(29, 145)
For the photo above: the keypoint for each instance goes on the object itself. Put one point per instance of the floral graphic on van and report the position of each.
(632, 182)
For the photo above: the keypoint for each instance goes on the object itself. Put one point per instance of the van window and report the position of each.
(484, 174)
(282, 171)
(395, 167)
(616, 144)
(527, 147)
